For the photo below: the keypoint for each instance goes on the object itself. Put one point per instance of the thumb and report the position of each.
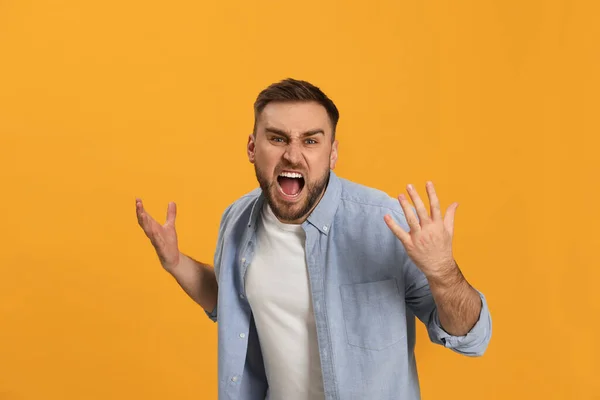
(171, 213)
(449, 218)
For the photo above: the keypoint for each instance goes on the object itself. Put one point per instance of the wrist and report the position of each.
(173, 265)
(446, 277)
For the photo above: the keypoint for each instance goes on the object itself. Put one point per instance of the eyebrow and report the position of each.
(312, 132)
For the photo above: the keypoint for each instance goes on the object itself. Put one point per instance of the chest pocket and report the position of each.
(374, 314)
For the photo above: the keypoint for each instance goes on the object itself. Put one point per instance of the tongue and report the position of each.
(290, 186)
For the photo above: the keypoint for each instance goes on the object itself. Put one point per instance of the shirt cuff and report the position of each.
(475, 342)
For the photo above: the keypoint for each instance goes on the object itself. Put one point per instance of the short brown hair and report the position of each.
(295, 90)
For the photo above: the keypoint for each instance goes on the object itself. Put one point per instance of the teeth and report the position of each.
(291, 175)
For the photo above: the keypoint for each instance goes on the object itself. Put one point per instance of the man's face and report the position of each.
(292, 153)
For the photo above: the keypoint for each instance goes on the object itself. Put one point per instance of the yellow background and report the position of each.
(100, 102)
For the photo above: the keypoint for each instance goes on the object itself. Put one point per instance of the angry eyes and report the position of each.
(281, 140)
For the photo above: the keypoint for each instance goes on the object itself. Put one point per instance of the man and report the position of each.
(317, 280)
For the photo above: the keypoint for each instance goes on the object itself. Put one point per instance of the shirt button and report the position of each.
(234, 379)
(243, 261)
(241, 295)
(242, 335)
(325, 228)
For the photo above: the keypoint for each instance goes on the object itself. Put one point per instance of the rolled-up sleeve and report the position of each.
(474, 343)
(420, 301)
(212, 315)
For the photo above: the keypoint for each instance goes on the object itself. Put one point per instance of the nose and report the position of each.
(293, 153)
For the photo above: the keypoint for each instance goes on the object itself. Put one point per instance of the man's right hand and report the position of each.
(198, 280)
(162, 237)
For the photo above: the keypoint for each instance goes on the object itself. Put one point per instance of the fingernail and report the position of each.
(410, 186)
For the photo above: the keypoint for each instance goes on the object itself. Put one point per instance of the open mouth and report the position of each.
(290, 183)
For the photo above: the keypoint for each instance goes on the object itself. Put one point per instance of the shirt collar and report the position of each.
(256, 208)
(322, 215)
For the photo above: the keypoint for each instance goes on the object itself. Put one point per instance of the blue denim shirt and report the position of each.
(365, 291)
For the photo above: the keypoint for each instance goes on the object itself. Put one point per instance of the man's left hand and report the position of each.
(429, 241)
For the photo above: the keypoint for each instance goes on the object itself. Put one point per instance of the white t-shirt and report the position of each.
(277, 288)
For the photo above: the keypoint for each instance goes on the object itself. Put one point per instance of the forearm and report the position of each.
(198, 280)
(458, 303)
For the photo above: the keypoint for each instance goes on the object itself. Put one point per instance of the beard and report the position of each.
(285, 212)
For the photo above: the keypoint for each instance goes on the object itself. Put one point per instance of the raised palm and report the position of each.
(162, 237)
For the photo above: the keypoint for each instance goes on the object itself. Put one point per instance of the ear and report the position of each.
(334, 155)
(251, 148)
